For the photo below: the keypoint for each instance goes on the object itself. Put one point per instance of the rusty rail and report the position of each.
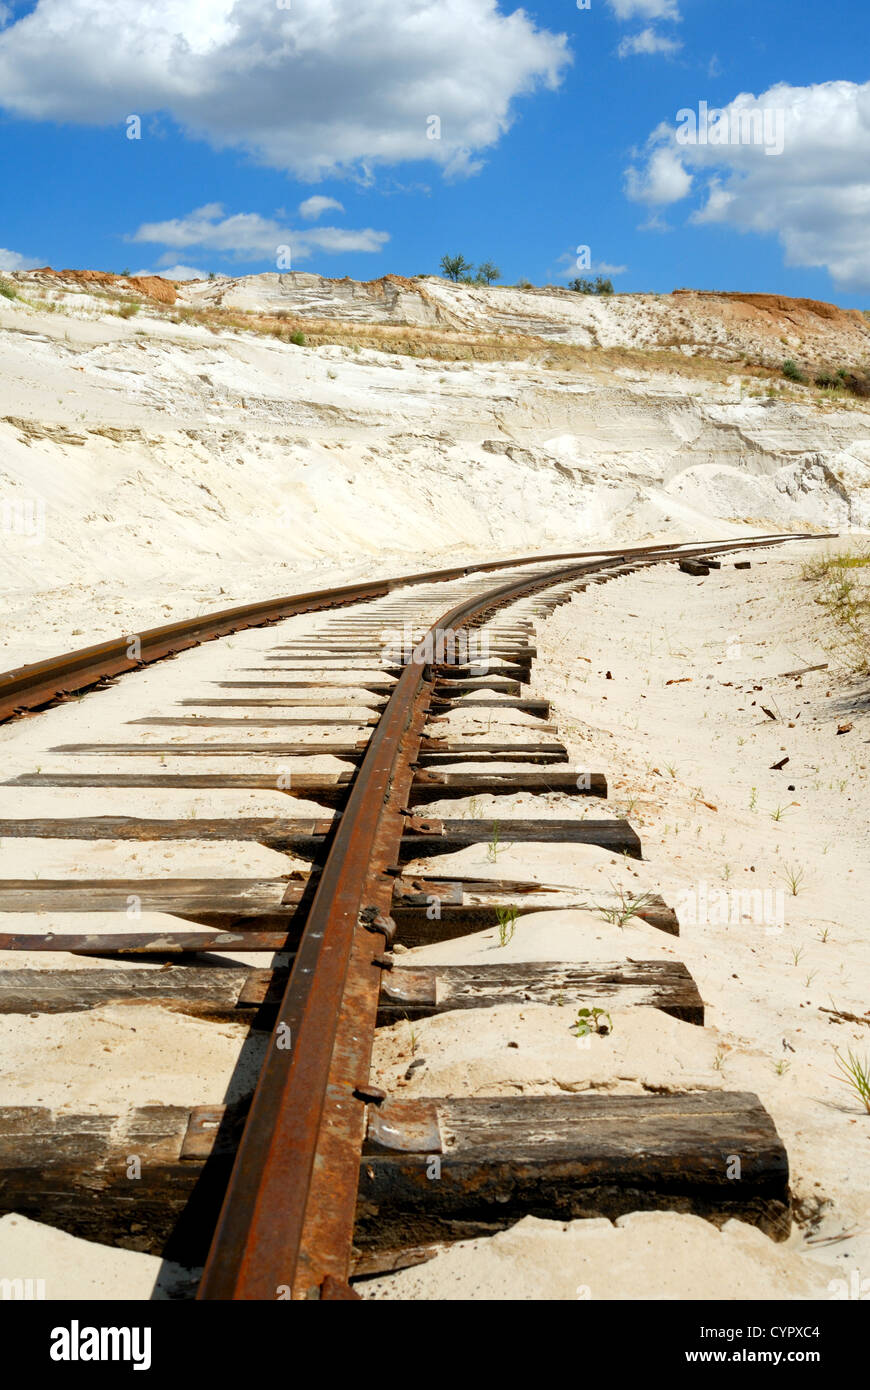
(286, 1225)
(29, 687)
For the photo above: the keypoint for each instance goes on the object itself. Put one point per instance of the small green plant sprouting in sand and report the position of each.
(823, 935)
(627, 905)
(507, 924)
(753, 799)
(794, 877)
(494, 845)
(855, 1073)
(592, 1021)
(796, 954)
(781, 1067)
(778, 813)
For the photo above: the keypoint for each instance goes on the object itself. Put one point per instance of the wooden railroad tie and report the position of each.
(269, 914)
(306, 838)
(431, 1170)
(332, 789)
(225, 991)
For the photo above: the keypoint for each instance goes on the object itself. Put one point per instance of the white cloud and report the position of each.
(655, 223)
(315, 207)
(567, 269)
(324, 86)
(247, 235)
(645, 9)
(814, 195)
(177, 272)
(664, 180)
(647, 41)
(12, 260)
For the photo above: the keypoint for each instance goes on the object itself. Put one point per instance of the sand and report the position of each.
(152, 469)
(673, 753)
(179, 470)
(683, 760)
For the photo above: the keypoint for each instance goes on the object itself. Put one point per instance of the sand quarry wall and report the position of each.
(145, 459)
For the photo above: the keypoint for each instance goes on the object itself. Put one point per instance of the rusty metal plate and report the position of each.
(412, 1127)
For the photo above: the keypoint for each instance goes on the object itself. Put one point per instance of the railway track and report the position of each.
(319, 1177)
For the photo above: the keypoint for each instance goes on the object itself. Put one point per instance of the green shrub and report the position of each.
(7, 289)
(597, 286)
(792, 372)
(858, 383)
(297, 338)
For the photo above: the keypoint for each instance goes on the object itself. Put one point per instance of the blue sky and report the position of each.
(559, 128)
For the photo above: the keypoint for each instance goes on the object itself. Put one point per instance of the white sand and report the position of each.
(149, 470)
(189, 470)
(668, 749)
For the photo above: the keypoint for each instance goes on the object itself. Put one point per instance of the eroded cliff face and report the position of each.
(765, 328)
(147, 463)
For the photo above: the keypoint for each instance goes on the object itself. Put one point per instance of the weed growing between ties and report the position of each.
(507, 924)
(590, 1021)
(626, 906)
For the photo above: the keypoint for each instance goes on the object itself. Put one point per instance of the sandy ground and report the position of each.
(689, 763)
(150, 470)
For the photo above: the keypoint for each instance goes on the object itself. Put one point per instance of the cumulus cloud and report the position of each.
(567, 269)
(645, 9)
(322, 87)
(647, 41)
(315, 207)
(814, 195)
(247, 235)
(177, 272)
(663, 180)
(12, 260)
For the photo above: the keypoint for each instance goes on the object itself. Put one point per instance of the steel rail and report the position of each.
(31, 686)
(286, 1224)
